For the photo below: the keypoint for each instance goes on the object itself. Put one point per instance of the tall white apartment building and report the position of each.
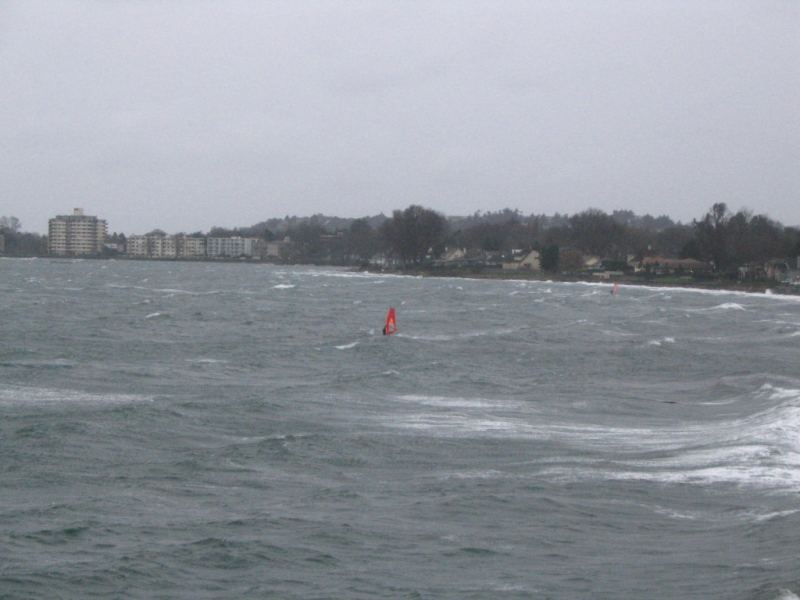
(76, 234)
(232, 247)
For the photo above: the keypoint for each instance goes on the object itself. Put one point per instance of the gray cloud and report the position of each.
(183, 115)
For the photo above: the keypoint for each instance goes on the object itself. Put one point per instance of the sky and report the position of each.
(187, 114)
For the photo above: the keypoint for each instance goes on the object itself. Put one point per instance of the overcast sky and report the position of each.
(187, 114)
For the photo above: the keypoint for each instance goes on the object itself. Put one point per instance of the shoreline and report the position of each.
(765, 288)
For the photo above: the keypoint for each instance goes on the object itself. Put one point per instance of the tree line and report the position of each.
(417, 235)
(19, 243)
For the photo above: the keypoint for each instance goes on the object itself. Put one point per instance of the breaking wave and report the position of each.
(761, 449)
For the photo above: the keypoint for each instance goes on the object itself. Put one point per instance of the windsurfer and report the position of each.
(390, 326)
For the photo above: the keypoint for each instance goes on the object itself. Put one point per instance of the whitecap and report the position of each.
(674, 514)
(780, 393)
(347, 346)
(463, 335)
(461, 425)
(156, 314)
(758, 518)
(451, 402)
(728, 306)
(283, 286)
(723, 306)
(209, 361)
(477, 474)
(173, 291)
(35, 395)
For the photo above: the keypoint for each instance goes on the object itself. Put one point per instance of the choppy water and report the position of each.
(225, 430)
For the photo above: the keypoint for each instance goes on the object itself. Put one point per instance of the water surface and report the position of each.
(207, 430)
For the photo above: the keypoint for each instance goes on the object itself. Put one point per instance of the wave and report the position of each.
(661, 341)
(15, 395)
(180, 291)
(207, 361)
(169, 291)
(761, 449)
(685, 289)
(476, 474)
(347, 346)
(156, 315)
(445, 337)
(347, 274)
(283, 286)
(728, 306)
(758, 450)
(57, 363)
(450, 402)
(723, 306)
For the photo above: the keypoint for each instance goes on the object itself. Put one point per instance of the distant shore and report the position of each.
(667, 281)
(753, 287)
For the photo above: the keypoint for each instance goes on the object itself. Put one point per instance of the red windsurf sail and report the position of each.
(391, 323)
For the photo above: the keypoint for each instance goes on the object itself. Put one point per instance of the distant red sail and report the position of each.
(391, 323)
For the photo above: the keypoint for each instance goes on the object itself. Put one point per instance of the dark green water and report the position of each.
(228, 431)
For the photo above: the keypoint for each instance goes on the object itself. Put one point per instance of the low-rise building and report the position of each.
(187, 246)
(660, 265)
(592, 262)
(782, 271)
(231, 247)
(277, 249)
(136, 245)
(160, 245)
(527, 262)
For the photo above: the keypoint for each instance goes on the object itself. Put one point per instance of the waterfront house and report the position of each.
(659, 265)
(530, 261)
